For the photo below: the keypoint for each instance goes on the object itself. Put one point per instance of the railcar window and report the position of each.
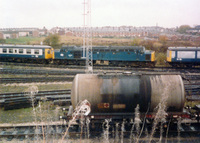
(21, 51)
(198, 54)
(147, 57)
(49, 52)
(28, 51)
(173, 54)
(10, 50)
(186, 54)
(36, 51)
(4, 50)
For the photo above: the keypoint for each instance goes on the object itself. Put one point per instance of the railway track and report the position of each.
(55, 131)
(39, 72)
(35, 79)
(19, 100)
(78, 67)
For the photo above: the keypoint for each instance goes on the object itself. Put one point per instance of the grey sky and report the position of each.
(68, 13)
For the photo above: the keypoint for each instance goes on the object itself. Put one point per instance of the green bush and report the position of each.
(160, 59)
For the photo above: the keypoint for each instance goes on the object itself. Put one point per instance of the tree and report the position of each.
(52, 40)
(163, 39)
(136, 42)
(183, 28)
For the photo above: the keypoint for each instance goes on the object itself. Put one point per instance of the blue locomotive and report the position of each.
(183, 56)
(69, 55)
(102, 55)
(26, 53)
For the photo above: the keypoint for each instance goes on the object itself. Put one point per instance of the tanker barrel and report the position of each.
(121, 93)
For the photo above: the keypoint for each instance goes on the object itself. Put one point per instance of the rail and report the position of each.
(13, 100)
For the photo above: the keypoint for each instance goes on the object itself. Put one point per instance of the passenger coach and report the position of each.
(26, 53)
(183, 56)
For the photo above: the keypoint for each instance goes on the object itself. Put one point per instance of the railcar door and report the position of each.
(137, 52)
(15, 51)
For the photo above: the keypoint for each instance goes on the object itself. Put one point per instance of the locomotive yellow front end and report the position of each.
(49, 53)
(153, 56)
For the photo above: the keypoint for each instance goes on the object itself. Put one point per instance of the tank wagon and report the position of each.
(115, 97)
(26, 53)
(102, 55)
(122, 93)
(183, 56)
(124, 101)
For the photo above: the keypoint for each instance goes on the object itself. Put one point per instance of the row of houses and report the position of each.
(8, 33)
(152, 32)
(194, 31)
(108, 31)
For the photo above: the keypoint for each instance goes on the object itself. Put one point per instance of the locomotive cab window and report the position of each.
(147, 57)
(49, 51)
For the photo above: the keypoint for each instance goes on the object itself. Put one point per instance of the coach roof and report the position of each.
(26, 46)
(184, 48)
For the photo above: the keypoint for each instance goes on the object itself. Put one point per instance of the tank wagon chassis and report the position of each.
(127, 122)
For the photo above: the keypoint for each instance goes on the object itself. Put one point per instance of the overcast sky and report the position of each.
(69, 13)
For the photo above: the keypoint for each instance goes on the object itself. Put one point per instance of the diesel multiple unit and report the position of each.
(26, 53)
(183, 56)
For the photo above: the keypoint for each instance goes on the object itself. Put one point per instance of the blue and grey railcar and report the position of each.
(26, 53)
(183, 56)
